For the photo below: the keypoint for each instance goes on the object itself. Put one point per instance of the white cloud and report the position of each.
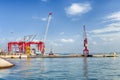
(55, 44)
(67, 40)
(35, 17)
(109, 37)
(44, 0)
(44, 19)
(113, 27)
(62, 33)
(111, 31)
(39, 18)
(77, 9)
(94, 42)
(113, 17)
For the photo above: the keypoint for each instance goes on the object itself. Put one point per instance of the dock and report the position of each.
(13, 56)
(55, 56)
(73, 56)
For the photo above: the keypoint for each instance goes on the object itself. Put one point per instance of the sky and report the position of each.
(19, 18)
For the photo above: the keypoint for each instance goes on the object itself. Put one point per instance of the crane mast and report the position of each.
(85, 50)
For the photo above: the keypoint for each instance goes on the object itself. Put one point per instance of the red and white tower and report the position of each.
(85, 50)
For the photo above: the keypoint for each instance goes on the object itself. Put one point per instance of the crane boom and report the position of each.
(84, 33)
(34, 36)
(46, 31)
(48, 23)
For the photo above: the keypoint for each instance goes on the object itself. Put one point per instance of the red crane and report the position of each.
(85, 50)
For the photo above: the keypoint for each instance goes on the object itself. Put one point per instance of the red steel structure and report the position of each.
(22, 46)
(85, 50)
(19, 44)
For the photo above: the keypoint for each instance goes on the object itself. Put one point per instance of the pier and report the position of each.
(13, 56)
(56, 56)
(77, 56)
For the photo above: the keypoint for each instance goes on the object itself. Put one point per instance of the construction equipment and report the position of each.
(46, 31)
(85, 50)
(34, 36)
(48, 23)
(25, 45)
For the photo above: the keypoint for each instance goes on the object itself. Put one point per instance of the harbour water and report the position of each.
(63, 69)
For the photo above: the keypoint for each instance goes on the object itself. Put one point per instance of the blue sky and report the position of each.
(19, 18)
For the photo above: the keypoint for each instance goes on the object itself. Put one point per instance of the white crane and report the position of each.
(48, 23)
(34, 36)
(46, 31)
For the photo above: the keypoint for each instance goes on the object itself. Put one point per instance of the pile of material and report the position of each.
(5, 64)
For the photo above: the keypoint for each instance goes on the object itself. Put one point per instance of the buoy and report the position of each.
(5, 64)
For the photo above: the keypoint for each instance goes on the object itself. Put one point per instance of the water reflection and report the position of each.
(115, 58)
(38, 64)
(42, 65)
(30, 68)
(85, 68)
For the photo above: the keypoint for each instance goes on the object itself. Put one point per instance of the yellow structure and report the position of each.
(27, 51)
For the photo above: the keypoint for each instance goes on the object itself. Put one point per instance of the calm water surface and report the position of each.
(63, 69)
